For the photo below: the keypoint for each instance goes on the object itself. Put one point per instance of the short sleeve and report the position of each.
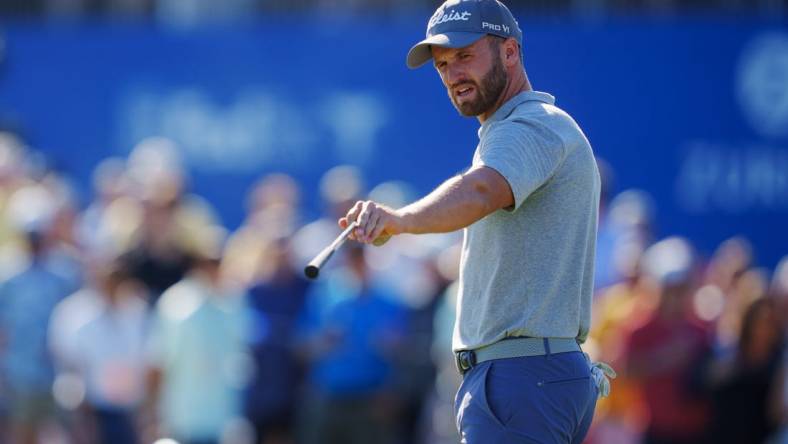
(525, 153)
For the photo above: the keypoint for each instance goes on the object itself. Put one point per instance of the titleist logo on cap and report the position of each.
(452, 16)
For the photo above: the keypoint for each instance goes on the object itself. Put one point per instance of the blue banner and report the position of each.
(694, 111)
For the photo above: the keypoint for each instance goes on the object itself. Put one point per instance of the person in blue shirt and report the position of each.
(27, 299)
(275, 304)
(352, 347)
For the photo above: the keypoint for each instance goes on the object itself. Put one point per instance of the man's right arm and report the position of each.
(455, 204)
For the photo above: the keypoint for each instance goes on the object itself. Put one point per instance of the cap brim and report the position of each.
(421, 53)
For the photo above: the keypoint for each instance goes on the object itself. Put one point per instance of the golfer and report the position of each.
(528, 205)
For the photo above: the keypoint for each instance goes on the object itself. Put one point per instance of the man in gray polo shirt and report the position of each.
(528, 205)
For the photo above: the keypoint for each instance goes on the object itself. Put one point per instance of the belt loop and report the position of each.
(546, 346)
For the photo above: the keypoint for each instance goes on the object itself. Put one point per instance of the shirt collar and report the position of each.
(506, 109)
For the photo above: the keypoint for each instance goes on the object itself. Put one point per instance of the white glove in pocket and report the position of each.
(601, 373)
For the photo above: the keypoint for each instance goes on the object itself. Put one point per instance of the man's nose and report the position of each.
(454, 75)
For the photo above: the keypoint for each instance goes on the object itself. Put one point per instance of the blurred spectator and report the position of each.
(158, 259)
(199, 364)
(276, 303)
(352, 347)
(273, 205)
(64, 254)
(106, 351)
(417, 366)
(93, 229)
(27, 299)
(424, 260)
(728, 275)
(617, 311)
(779, 287)
(439, 421)
(172, 224)
(625, 230)
(272, 215)
(666, 355)
(411, 256)
(604, 243)
(68, 318)
(745, 382)
(731, 259)
(340, 188)
(259, 257)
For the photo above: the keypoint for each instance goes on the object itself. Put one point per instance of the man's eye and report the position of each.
(465, 56)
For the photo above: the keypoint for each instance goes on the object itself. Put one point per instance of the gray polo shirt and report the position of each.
(528, 270)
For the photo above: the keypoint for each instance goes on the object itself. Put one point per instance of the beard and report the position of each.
(487, 94)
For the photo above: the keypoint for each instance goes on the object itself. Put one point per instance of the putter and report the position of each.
(312, 269)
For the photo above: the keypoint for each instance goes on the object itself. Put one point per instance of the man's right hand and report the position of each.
(376, 222)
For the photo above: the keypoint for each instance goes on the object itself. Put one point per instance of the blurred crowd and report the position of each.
(139, 318)
(699, 342)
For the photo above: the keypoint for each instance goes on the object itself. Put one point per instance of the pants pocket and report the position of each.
(563, 380)
(494, 399)
(471, 404)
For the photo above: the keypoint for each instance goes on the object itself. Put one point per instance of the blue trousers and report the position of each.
(534, 399)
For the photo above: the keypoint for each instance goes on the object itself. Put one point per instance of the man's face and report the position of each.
(474, 76)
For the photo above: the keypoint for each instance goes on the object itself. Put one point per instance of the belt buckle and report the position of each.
(464, 360)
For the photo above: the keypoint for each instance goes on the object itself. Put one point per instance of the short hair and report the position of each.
(495, 42)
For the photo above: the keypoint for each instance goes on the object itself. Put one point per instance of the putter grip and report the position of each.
(312, 269)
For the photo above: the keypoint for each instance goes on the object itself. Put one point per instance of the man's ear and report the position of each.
(511, 52)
